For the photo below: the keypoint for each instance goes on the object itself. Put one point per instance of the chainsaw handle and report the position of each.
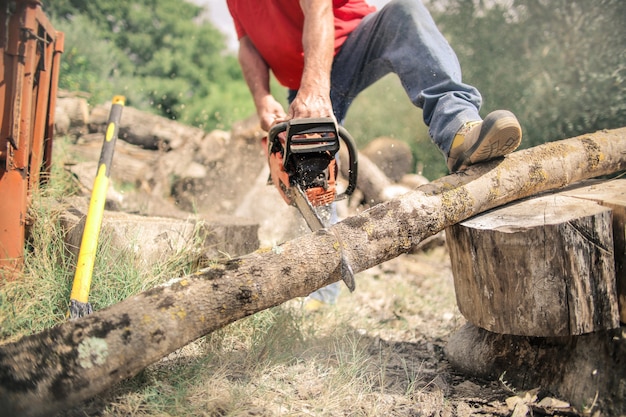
(276, 130)
(353, 157)
(343, 134)
(272, 135)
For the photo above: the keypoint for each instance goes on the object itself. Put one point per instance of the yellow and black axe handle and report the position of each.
(79, 298)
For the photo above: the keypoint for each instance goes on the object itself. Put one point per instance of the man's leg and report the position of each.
(402, 38)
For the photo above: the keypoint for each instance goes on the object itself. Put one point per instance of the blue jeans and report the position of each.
(402, 38)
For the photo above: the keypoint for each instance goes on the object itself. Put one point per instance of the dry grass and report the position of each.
(378, 352)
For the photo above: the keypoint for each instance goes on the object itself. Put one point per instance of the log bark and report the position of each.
(147, 130)
(613, 196)
(75, 112)
(541, 267)
(392, 156)
(130, 162)
(74, 361)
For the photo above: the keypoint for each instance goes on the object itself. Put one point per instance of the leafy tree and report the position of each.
(559, 65)
(89, 62)
(158, 53)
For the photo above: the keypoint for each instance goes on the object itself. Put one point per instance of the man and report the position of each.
(327, 51)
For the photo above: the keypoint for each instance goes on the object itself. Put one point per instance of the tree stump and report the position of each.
(540, 267)
(588, 371)
(543, 267)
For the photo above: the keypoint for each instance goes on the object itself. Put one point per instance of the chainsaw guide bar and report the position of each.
(303, 167)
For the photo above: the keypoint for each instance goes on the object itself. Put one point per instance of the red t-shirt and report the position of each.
(275, 29)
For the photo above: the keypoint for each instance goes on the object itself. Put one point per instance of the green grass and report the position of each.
(272, 362)
(40, 298)
(212, 376)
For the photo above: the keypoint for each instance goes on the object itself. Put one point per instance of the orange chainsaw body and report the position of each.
(302, 154)
(320, 192)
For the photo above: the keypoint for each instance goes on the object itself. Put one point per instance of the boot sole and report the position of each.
(500, 134)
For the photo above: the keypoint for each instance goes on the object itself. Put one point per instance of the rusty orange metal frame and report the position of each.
(30, 51)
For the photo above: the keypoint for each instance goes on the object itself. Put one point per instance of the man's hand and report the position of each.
(310, 104)
(270, 112)
(313, 98)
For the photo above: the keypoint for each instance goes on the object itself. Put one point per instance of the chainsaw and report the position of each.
(303, 167)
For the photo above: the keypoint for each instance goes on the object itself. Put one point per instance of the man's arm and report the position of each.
(318, 42)
(257, 76)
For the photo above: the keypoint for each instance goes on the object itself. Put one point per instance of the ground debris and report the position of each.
(529, 403)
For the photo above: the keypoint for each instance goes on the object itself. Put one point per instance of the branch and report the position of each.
(72, 362)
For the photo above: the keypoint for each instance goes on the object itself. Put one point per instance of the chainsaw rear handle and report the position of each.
(324, 126)
(354, 161)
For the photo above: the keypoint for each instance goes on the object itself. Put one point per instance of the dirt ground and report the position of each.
(393, 333)
(399, 318)
(406, 308)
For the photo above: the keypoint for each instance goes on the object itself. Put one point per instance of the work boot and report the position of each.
(499, 134)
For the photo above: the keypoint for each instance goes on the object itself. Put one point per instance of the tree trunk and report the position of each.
(72, 362)
(540, 267)
(588, 370)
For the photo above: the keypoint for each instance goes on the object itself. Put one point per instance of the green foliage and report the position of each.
(88, 61)
(40, 299)
(559, 65)
(157, 53)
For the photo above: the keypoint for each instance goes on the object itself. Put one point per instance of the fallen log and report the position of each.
(147, 130)
(76, 360)
(392, 156)
(371, 181)
(73, 113)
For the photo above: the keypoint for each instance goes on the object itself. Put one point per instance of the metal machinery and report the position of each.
(29, 68)
(302, 159)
